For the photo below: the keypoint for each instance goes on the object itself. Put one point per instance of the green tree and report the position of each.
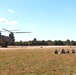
(67, 42)
(43, 42)
(60, 42)
(55, 42)
(34, 42)
(49, 42)
(72, 43)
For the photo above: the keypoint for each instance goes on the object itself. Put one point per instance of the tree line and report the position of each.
(35, 42)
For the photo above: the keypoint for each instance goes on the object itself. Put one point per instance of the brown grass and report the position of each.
(40, 61)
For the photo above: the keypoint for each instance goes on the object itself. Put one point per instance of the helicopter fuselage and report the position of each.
(6, 40)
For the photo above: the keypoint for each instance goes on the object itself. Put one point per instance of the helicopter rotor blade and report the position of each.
(6, 30)
(2, 31)
(21, 32)
(14, 32)
(9, 30)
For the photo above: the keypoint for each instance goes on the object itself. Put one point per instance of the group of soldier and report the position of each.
(64, 51)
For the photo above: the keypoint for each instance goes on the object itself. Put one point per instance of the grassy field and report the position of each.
(40, 61)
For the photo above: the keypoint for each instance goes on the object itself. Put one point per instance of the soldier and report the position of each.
(55, 51)
(67, 51)
(73, 51)
(62, 51)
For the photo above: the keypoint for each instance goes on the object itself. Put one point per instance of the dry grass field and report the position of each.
(36, 61)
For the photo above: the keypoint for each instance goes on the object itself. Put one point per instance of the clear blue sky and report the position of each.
(45, 19)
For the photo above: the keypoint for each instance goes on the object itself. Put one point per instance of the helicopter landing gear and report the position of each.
(4, 45)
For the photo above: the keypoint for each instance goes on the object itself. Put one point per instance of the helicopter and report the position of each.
(8, 40)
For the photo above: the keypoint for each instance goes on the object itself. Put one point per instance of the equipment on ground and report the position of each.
(8, 40)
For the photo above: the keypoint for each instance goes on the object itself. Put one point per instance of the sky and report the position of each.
(45, 19)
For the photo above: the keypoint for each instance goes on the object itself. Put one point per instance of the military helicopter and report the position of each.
(8, 40)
